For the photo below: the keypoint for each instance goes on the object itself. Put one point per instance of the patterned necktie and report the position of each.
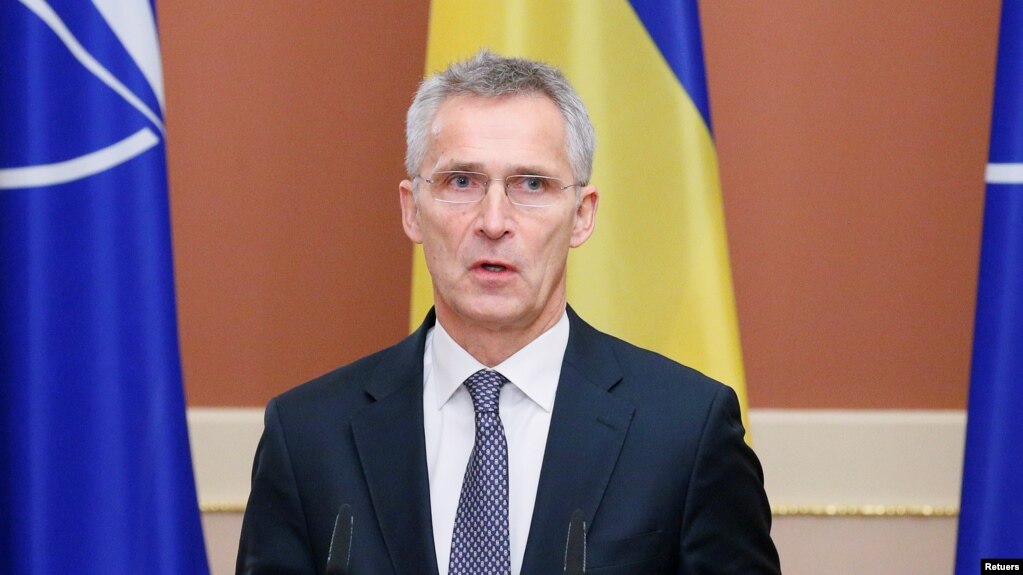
(479, 544)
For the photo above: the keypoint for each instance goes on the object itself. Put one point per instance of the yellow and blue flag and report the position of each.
(656, 272)
(991, 509)
(95, 470)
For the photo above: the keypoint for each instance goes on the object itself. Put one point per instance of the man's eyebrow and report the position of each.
(530, 170)
(520, 169)
(457, 166)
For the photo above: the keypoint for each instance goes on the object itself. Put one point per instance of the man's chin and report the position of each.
(497, 321)
(497, 315)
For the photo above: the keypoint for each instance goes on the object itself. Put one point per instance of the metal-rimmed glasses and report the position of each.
(527, 190)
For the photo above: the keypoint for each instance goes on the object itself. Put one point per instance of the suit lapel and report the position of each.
(389, 437)
(588, 428)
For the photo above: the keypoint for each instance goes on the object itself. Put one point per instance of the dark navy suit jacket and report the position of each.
(651, 451)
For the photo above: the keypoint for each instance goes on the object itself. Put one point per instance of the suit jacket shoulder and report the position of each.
(351, 386)
(678, 489)
(351, 436)
(635, 374)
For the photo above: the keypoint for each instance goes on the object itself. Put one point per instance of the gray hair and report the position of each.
(489, 75)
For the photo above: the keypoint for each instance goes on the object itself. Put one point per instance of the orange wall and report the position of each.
(852, 140)
(285, 130)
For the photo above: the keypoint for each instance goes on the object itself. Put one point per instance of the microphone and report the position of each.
(341, 542)
(575, 544)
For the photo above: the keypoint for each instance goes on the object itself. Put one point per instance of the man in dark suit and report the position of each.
(469, 447)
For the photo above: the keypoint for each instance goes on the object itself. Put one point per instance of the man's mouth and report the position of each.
(493, 267)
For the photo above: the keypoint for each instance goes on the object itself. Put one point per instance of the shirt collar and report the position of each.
(534, 369)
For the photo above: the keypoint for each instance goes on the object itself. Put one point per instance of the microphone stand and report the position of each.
(340, 553)
(575, 545)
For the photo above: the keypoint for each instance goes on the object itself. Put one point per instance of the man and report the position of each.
(469, 446)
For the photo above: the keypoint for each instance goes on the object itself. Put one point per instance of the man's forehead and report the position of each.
(521, 132)
(456, 106)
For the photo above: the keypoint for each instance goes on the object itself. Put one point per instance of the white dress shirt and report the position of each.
(450, 425)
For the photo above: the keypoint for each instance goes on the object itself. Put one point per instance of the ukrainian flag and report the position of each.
(656, 272)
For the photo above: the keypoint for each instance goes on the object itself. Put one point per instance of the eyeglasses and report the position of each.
(470, 187)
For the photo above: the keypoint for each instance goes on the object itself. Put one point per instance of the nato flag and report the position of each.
(95, 472)
(991, 511)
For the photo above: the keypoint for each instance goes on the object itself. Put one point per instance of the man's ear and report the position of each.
(409, 212)
(585, 217)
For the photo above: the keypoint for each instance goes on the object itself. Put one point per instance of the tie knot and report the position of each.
(485, 388)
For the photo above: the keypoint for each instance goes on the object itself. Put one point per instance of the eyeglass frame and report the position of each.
(489, 179)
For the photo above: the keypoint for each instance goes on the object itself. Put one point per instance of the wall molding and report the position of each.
(923, 511)
(817, 463)
(777, 511)
(860, 459)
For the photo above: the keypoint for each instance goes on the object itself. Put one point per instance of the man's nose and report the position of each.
(496, 210)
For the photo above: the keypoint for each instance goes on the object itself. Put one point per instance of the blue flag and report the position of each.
(991, 511)
(95, 471)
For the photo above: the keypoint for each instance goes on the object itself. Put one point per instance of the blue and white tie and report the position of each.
(479, 544)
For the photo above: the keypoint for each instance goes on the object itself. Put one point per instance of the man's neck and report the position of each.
(491, 345)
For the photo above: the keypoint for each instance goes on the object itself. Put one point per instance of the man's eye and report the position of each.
(532, 184)
(461, 181)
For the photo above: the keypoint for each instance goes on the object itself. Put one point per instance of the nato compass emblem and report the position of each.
(81, 89)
